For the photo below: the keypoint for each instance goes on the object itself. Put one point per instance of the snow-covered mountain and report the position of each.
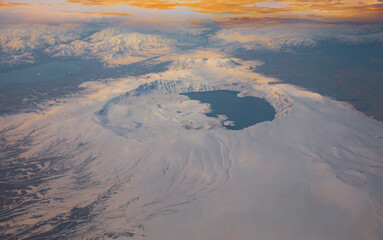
(133, 158)
(116, 47)
(277, 36)
(112, 46)
(18, 44)
(139, 159)
(120, 45)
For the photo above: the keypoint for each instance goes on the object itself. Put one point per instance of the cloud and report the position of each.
(102, 13)
(12, 4)
(340, 10)
(327, 10)
(55, 14)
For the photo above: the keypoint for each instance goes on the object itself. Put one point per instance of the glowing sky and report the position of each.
(322, 10)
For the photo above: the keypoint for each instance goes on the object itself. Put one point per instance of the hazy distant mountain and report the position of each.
(18, 44)
(116, 47)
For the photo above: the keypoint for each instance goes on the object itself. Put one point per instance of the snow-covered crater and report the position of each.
(158, 108)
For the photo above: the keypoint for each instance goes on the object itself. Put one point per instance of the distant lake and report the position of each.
(41, 73)
(241, 112)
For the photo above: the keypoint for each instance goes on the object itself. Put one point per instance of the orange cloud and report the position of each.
(321, 10)
(156, 4)
(241, 21)
(314, 9)
(50, 13)
(102, 13)
(12, 4)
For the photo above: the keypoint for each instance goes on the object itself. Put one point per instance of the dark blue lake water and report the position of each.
(243, 111)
